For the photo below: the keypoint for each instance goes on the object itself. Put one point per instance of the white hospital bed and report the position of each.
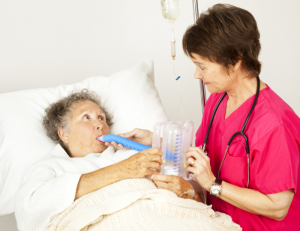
(131, 90)
(48, 43)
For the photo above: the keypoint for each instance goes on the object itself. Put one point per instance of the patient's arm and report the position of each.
(50, 186)
(136, 166)
(100, 178)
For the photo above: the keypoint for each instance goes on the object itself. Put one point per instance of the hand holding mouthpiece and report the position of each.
(125, 142)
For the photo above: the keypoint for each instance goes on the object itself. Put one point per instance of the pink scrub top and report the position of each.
(274, 140)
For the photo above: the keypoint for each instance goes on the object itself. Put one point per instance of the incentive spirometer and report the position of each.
(176, 139)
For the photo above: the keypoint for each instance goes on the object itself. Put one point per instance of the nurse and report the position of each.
(260, 192)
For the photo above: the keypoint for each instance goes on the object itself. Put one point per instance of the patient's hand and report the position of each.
(138, 165)
(138, 135)
(142, 164)
(176, 184)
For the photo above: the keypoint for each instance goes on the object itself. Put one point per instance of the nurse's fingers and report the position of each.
(197, 170)
(191, 161)
(198, 165)
(205, 160)
(201, 165)
(193, 154)
(199, 150)
(195, 149)
(192, 170)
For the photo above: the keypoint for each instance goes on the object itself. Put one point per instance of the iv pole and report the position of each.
(202, 87)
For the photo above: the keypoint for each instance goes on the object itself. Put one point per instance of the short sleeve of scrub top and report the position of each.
(275, 162)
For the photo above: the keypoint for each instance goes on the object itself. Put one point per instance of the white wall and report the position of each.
(48, 43)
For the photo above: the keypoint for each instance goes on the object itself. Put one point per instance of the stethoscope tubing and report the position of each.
(242, 133)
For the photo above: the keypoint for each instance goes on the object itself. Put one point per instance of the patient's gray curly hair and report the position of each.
(58, 114)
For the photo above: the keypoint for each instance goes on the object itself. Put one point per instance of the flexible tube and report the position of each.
(125, 142)
(129, 144)
(181, 104)
(173, 49)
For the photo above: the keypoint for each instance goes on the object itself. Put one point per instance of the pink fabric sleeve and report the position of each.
(275, 162)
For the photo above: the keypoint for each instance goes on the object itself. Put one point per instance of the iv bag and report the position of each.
(170, 9)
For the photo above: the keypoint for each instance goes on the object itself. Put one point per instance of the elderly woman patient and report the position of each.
(79, 164)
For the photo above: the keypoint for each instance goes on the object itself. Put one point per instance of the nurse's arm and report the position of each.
(274, 206)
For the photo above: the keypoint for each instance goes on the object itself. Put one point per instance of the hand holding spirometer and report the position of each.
(176, 140)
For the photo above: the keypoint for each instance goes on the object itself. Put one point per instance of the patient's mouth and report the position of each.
(100, 139)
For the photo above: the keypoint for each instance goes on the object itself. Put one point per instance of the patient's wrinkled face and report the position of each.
(87, 122)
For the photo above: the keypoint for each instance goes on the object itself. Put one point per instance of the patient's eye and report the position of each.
(86, 117)
(101, 118)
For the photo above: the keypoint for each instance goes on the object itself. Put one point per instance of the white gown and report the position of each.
(49, 186)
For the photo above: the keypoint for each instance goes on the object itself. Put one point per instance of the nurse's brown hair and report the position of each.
(225, 34)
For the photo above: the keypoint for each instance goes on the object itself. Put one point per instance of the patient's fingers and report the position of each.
(130, 134)
(151, 172)
(166, 185)
(114, 144)
(161, 184)
(155, 165)
(157, 159)
(154, 151)
(176, 184)
(111, 144)
(164, 178)
(139, 135)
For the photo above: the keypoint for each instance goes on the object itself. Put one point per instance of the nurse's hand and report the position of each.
(177, 185)
(199, 164)
(138, 135)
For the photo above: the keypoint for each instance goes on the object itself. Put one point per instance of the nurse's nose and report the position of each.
(198, 74)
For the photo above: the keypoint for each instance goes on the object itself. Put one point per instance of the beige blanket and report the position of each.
(136, 204)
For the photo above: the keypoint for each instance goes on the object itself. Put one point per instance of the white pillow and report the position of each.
(130, 96)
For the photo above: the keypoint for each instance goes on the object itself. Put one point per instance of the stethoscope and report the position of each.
(242, 132)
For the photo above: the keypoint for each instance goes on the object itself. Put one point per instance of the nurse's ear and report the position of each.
(236, 67)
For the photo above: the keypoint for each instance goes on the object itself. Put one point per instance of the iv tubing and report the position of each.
(181, 105)
(173, 41)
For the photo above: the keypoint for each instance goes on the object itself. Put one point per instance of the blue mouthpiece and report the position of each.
(125, 142)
